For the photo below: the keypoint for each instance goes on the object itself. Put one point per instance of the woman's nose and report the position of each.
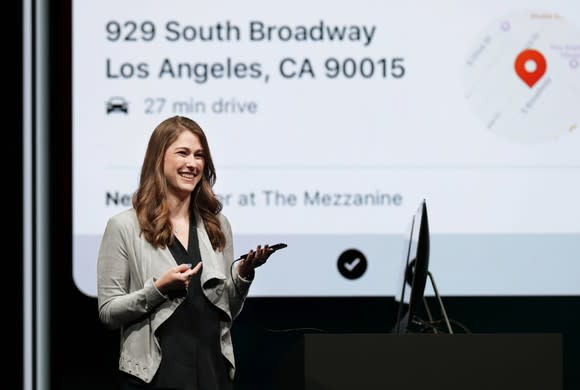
(192, 161)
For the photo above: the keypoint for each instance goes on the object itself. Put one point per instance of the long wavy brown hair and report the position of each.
(150, 199)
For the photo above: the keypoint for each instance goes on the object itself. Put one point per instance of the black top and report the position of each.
(190, 338)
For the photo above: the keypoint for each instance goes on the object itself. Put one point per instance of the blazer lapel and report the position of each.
(210, 268)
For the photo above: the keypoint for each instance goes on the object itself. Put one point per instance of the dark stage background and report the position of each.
(83, 354)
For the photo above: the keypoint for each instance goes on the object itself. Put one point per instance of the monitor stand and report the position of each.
(418, 321)
(404, 324)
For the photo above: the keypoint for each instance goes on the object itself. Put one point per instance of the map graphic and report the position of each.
(522, 77)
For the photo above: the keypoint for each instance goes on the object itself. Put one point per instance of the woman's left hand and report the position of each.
(253, 260)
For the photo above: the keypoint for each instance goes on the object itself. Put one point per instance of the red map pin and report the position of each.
(530, 58)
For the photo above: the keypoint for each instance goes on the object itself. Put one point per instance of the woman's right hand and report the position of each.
(176, 279)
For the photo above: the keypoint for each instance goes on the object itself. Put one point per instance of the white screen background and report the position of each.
(501, 193)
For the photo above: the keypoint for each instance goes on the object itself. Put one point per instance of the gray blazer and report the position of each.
(127, 266)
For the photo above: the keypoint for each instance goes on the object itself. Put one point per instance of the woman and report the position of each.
(165, 270)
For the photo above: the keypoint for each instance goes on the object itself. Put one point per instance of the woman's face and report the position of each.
(183, 164)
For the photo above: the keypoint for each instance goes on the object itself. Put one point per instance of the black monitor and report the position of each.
(414, 270)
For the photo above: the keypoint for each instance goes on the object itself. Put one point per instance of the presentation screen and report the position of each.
(329, 122)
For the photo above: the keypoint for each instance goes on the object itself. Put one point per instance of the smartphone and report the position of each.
(273, 248)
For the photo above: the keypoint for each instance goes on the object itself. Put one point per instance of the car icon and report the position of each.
(117, 104)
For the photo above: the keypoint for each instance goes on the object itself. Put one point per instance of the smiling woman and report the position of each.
(150, 280)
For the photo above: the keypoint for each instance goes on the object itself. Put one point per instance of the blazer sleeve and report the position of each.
(115, 263)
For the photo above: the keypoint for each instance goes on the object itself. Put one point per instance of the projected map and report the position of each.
(522, 77)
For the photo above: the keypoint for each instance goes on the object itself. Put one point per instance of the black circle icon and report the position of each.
(352, 264)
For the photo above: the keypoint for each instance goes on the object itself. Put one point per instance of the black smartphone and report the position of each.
(273, 248)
